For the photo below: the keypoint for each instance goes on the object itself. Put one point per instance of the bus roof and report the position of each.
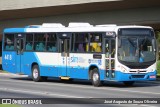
(73, 27)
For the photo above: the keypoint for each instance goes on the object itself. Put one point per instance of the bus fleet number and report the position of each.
(8, 57)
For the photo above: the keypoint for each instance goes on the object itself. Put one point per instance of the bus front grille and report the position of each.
(138, 76)
(138, 71)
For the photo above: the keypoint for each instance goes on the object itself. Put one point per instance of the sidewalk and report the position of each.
(11, 74)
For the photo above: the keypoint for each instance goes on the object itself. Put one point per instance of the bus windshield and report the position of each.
(136, 48)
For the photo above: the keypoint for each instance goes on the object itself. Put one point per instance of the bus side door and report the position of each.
(19, 52)
(110, 57)
(9, 53)
(64, 47)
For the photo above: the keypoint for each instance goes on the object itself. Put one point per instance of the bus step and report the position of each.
(65, 78)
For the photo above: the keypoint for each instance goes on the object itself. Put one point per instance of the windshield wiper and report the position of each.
(131, 42)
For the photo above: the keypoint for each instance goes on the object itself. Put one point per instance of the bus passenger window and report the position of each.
(28, 46)
(39, 42)
(80, 42)
(95, 42)
(40, 46)
(80, 48)
(29, 42)
(52, 43)
(9, 42)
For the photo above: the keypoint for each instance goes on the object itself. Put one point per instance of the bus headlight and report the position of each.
(123, 69)
(150, 70)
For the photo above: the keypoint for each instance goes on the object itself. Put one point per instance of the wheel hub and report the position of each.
(35, 73)
(95, 77)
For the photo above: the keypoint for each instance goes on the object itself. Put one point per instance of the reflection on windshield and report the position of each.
(135, 49)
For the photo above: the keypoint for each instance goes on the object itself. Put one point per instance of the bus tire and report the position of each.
(36, 74)
(95, 78)
(128, 83)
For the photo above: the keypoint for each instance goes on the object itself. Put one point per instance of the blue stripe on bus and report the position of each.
(14, 30)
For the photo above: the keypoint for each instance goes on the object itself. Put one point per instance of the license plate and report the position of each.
(152, 76)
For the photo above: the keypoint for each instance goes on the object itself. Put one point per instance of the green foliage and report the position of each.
(158, 67)
(9, 105)
(158, 42)
(158, 36)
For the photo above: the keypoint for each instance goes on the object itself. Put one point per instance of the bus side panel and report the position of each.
(49, 71)
(9, 61)
(79, 73)
(82, 73)
(80, 64)
(48, 63)
(27, 59)
(102, 74)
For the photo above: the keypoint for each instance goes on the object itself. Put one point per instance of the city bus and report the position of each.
(97, 53)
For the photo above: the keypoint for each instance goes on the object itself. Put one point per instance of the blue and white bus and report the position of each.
(81, 51)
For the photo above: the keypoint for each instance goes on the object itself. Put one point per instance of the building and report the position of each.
(19, 13)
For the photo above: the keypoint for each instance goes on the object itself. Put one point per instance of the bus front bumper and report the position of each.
(119, 76)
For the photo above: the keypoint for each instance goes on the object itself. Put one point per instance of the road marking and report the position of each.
(144, 105)
(84, 87)
(38, 92)
(132, 91)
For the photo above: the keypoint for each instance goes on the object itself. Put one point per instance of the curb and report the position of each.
(11, 75)
(7, 74)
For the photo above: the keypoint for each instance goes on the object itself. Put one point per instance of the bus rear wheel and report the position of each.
(95, 78)
(36, 74)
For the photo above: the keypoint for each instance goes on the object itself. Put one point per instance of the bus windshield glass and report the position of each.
(136, 46)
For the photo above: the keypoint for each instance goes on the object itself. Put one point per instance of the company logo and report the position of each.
(6, 101)
(94, 61)
(138, 71)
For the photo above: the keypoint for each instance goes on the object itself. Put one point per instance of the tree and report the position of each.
(158, 42)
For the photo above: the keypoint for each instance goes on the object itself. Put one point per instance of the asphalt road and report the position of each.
(15, 86)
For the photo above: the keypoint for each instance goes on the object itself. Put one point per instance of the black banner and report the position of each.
(79, 100)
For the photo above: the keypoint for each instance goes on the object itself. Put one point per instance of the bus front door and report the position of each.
(110, 58)
(19, 52)
(64, 57)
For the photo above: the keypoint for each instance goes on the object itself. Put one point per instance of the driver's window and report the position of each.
(107, 49)
(112, 48)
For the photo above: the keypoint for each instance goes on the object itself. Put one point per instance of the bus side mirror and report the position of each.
(119, 43)
(154, 44)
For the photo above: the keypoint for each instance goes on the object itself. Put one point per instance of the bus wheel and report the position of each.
(128, 83)
(95, 77)
(36, 74)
